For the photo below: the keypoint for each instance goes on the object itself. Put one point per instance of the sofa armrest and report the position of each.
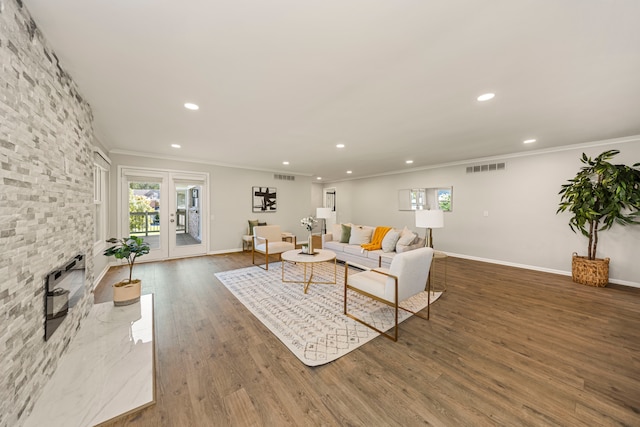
(418, 243)
(328, 237)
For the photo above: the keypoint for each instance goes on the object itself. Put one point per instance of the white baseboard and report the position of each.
(225, 251)
(97, 280)
(536, 268)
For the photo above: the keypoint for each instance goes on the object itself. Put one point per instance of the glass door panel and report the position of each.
(144, 211)
(188, 215)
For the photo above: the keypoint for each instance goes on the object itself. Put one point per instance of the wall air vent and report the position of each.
(284, 177)
(487, 168)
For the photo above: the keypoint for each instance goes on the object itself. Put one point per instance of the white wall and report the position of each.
(230, 197)
(522, 227)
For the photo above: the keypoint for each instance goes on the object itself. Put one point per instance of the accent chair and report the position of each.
(267, 240)
(406, 276)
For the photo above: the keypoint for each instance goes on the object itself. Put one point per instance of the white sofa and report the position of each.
(356, 255)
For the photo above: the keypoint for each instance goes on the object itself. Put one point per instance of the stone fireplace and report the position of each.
(64, 287)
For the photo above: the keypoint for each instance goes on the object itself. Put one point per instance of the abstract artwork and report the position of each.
(263, 199)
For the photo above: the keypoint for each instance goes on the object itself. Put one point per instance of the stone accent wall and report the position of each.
(46, 204)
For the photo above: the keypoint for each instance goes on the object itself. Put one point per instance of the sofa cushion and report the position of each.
(354, 250)
(360, 234)
(334, 246)
(374, 255)
(390, 240)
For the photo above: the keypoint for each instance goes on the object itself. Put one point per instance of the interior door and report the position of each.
(330, 202)
(166, 209)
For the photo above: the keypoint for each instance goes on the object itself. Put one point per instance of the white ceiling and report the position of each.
(393, 80)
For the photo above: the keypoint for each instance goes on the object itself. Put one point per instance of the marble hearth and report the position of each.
(108, 370)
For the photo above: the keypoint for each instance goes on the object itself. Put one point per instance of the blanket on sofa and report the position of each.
(376, 240)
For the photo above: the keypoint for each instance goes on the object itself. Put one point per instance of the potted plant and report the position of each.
(600, 195)
(127, 291)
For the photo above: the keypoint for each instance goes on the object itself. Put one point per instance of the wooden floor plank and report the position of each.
(504, 346)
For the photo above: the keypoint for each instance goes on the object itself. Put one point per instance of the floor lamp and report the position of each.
(429, 219)
(323, 214)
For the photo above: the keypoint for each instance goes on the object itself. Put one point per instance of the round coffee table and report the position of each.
(297, 257)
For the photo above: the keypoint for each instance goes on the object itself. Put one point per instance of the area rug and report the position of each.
(313, 325)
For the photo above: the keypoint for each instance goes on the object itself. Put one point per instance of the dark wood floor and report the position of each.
(504, 346)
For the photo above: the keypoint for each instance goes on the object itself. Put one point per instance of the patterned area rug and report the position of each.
(312, 325)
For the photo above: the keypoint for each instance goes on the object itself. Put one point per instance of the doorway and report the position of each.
(167, 209)
(329, 201)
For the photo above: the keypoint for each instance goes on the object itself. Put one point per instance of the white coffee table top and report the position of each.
(321, 255)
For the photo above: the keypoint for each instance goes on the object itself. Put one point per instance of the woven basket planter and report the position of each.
(126, 293)
(591, 272)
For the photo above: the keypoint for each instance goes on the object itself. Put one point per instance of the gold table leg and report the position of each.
(308, 282)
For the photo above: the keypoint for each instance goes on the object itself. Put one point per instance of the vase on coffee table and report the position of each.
(310, 243)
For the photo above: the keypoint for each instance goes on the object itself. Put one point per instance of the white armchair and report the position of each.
(406, 276)
(267, 240)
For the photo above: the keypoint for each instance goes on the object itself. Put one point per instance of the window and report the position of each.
(443, 196)
(100, 200)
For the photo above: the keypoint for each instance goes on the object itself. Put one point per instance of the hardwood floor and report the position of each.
(504, 346)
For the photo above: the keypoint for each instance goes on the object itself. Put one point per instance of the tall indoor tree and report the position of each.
(600, 195)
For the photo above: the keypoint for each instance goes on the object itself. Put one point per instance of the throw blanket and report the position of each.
(376, 240)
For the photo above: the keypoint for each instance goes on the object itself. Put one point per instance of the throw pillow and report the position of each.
(345, 235)
(360, 235)
(389, 241)
(252, 223)
(336, 231)
(406, 239)
(405, 232)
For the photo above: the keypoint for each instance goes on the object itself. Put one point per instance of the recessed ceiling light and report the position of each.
(319, 178)
(285, 163)
(191, 106)
(349, 171)
(529, 141)
(486, 96)
(175, 145)
(340, 145)
(408, 162)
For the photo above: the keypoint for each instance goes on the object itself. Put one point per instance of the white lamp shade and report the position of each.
(323, 213)
(430, 219)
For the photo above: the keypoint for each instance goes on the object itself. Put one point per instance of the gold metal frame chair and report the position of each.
(267, 240)
(407, 275)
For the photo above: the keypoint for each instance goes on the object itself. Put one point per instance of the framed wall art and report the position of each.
(263, 199)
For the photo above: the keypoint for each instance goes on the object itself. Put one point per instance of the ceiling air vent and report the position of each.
(486, 168)
(284, 177)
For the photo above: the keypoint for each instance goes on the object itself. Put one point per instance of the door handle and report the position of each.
(172, 220)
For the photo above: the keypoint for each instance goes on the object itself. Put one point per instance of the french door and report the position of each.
(167, 209)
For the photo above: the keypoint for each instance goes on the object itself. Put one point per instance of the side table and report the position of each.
(289, 237)
(438, 272)
(247, 242)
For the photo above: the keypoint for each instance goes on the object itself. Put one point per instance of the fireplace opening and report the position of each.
(63, 289)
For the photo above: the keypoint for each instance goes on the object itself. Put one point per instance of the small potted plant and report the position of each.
(308, 223)
(600, 195)
(130, 248)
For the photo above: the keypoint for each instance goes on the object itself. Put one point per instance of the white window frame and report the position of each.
(100, 201)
